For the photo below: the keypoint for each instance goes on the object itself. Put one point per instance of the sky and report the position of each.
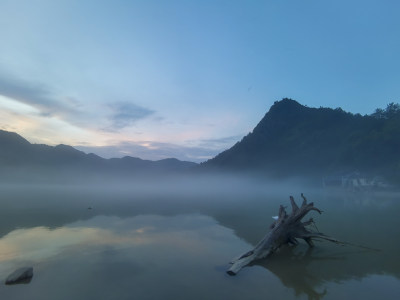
(186, 79)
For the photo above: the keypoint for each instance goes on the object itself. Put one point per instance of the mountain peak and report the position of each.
(281, 116)
(296, 140)
(285, 103)
(286, 108)
(12, 138)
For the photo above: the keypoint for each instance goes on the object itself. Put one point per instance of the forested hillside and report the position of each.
(295, 140)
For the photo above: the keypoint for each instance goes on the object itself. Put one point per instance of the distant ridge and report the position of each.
(291, 140)
(20, 159)
(295, 140)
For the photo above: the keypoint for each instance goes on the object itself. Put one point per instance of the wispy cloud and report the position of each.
(41, 97)
(50, 104)
(125, 114)
(36, 95)
(220, 143)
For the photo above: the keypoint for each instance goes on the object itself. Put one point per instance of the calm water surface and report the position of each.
(121, 243)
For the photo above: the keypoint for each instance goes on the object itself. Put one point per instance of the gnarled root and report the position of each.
(285, 230)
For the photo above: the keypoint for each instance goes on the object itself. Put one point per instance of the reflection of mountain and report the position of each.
(20, 159)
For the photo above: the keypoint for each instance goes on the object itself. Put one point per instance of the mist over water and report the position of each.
(173, 238)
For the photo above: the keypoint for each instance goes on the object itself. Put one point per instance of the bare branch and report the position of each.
(295, 208)
(304, 200)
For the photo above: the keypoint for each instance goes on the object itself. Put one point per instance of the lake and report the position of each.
(149, 241)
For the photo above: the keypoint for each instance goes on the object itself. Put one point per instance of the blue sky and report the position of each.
(186, 79)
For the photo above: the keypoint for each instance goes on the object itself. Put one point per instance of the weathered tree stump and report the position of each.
(286, 229)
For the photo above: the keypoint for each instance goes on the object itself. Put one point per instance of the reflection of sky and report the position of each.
(36, 245)
(115, 258)
(185, 256)
(39, 243)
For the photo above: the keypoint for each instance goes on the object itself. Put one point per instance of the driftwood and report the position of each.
(286, 229)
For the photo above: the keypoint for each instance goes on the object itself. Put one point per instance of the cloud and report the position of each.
(220, 143)
(97, 123)
(152, 151)
(50, 104)
(36, 95)
(125, 114)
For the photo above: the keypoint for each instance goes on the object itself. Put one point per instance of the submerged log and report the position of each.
(286, 229)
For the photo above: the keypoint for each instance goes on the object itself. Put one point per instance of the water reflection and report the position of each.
(365, 219)
(163, 247)
(146, 256)
(40, 244)
(297, 270)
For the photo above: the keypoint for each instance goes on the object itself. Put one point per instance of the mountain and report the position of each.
(20, 159)
(292, 140)
(295, 140)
